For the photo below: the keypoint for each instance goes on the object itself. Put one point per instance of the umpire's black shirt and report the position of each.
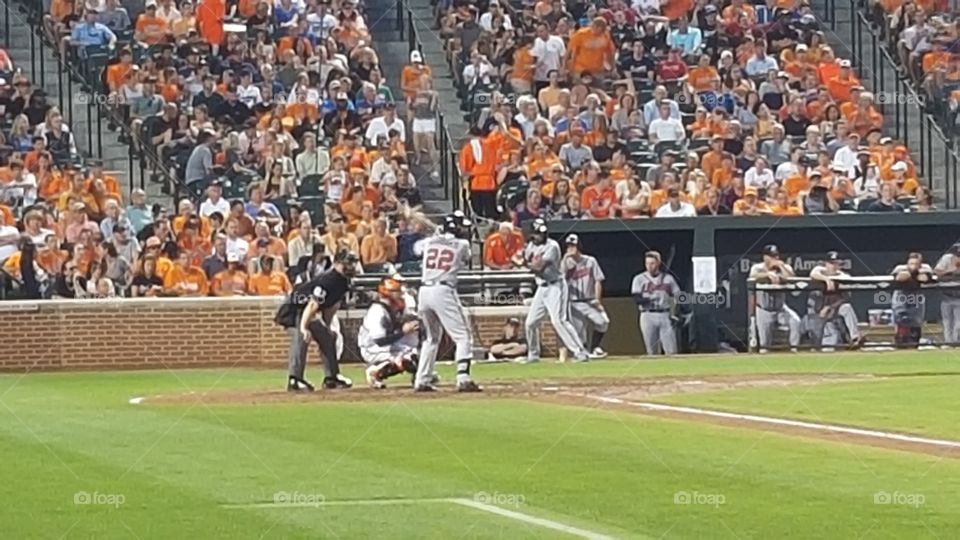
(327, 289)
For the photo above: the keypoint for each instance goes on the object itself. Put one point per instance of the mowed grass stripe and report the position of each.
(919, 406)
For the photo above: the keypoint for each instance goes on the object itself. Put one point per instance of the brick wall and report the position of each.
(177, 332)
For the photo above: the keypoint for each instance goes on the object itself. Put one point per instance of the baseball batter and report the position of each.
(948, 269)
(444, 255)
(655, 293)
(771, 306)
(832, 304)
(389, 335)
(542, 256)
(585, 287)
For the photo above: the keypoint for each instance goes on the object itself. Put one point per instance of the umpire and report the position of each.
(307, 314)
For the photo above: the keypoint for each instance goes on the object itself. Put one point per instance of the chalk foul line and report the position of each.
(832, 428)
(469, 503)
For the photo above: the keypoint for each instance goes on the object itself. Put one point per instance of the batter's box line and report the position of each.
(469, 503)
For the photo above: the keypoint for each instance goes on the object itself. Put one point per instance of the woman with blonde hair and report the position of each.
(20, 138)
(424, 106)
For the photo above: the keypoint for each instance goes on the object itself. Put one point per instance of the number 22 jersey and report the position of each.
(444, 255)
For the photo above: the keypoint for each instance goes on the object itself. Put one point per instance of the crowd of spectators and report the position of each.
(276, 121)
(662, 109)
(922, 36)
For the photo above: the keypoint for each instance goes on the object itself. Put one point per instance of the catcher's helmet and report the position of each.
(390, 292)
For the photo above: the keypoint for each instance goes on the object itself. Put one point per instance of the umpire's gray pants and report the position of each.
(297, 355)
(950, 318)
(551, 300)
(657, 331)
(767, 321)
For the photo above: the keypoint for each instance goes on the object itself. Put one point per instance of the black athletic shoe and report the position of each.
(425, 388)
(468, 386)
(333, 383)
(298, 385)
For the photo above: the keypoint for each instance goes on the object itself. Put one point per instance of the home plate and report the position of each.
(551, 388)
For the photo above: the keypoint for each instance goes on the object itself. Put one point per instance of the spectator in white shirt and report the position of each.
(486, 20)
(846, 156)
(381, 126)
(759, 64)
(674, 207)
(528, 115)
(651, 109)
(247, 92)
(787, 169)
(759, 176)
(215, 201)
(549, 51)
(236, 245)
(666, 128)
(478, 72)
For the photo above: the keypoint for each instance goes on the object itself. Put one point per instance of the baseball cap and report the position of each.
(514, 321)
(771, 250)
(346, 256)
(832, 256)
(153, 241)
(233, 257)
(750, 191)
(572, 240)
(899, 166)
(886, 140)
(844, 63)
(416, 57)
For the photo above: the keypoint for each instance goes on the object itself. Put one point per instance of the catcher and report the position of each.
(389, 336)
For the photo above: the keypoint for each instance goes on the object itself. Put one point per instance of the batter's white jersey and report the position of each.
(444, 256)
(548, 252)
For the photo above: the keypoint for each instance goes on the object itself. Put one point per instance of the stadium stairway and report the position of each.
(391, 47)
(883, 83)
(424, 22)
(80, 119)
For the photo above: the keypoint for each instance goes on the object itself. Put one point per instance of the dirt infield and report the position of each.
(624, 388)
(610, 394)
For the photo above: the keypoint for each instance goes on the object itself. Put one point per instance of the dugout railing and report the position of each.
(873, 299)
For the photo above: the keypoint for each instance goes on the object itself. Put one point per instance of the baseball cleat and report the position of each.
(468, 386)
(581, 359)
(373, 378)
(434, 379)
(425, 388)
(298, 385)
(598, 353)
(333, 383)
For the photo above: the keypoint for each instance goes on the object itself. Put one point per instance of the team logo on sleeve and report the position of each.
(320, 294)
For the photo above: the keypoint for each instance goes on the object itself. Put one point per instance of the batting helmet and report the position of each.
(538, 230)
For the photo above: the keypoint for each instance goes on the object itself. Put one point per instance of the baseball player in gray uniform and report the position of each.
(585, 287)
(771, 306)
(948, 269)
(831, 304)
(542, 256)
(655, 293)
(908, 302)
(444, 255)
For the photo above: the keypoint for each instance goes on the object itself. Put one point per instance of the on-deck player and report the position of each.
(655, 293)
(585, 283)
(444, 255)
(389, 334)
(542, 256)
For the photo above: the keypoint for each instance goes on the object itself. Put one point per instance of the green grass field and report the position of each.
(80, 461)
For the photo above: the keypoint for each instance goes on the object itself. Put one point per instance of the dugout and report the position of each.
(869, 244)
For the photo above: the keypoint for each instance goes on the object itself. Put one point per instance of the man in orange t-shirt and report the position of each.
(268, 282)
(150, 27)
(479, 160)
(117, 72)
(591, 49)
(599, 200)
(500, 247)
(701, 78)
(840, 86)
(232, 281)
(185, 279)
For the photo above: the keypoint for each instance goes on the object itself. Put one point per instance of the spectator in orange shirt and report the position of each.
(841, 85)
(378, 247)
(600, 199)
(500, 247)
(722, 176)
(865, 117)
(702, 77)
(750, 204)
(233, 280)
(268, 281)
(411, 76)
(783, 205)
(591, 49)
(185, 279)
(150, 28)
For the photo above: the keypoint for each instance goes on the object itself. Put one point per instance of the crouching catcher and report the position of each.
(389, 336)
